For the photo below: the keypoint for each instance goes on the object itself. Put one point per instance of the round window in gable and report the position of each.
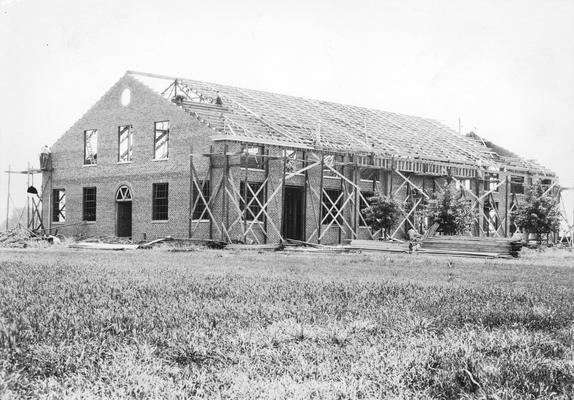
(126, 97)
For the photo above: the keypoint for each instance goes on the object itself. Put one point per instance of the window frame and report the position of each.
(294, 159)
(253, 207)
(464, 183)
(158, 202)
(337, 158)
(366, 171)
(517, 181)
(490, 181)
(201, 205)
(155, 139)
(338, 201)
(94, 158)
(85, 209)
(130, 143)
(61, 210)
(367, 194)
(254, 161)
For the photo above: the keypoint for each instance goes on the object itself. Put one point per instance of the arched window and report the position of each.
(124, 194)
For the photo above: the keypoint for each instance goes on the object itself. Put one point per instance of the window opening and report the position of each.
(490, 182)
(91, 147)
(200, 205)
(254, 156)
(125, 143)
(89, 204)
(124, 194)
(59, 205)
(253, 203)
(332, 202)
(160, 202)
(363, 203)
(332, 160)
(161, 140)
(294, 160)
(517, 184)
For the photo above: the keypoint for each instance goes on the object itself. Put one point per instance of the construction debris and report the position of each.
(445, 245)
(22, 238)
(148, 245)
(185, 244)
(17, 238)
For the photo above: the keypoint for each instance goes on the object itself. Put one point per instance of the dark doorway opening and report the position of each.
(124, 228)
(294, 213)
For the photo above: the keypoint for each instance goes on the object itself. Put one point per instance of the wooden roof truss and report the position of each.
(323, 125)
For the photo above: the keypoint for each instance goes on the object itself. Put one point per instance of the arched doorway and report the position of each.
(124, 211)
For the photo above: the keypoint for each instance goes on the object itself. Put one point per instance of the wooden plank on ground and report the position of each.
(103, 246)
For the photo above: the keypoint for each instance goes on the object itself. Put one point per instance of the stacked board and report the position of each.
(380, 245)
(472, 246)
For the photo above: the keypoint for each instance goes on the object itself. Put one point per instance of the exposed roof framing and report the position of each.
(510, 160)
(322, 125)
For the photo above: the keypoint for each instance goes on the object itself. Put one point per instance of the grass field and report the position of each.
(222, 324)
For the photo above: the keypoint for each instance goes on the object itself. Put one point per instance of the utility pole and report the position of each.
(8, 199)
(28, 196)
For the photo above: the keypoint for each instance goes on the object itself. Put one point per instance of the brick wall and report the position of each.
(145, 108)
(188, 135)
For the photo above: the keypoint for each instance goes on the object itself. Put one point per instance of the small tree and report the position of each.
(454, 215)
(539, 213)
(382, 213)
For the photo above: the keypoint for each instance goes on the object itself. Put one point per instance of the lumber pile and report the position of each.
(471, 246)
(380, 245)
(110, 239)
(317, 250)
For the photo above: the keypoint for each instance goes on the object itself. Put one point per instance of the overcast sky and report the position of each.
(506, 68)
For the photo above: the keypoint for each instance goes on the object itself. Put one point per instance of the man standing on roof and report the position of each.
(218, 100)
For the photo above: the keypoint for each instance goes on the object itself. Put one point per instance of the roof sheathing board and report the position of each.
(333, 126)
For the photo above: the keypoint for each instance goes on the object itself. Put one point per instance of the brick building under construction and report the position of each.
(159, 156)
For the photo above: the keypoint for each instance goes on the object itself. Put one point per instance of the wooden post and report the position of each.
(34, 205)
(191, 199)
(305, 188)
(27, 196)
(343, 186)
(283, 191)
(245, 205)
(479, 205)
(410, 202)
(210, 186)
(390, 186)
(357, 209)
(265, 192)
(320, 200)
(50, 200)
(225, 200)
(506, 221)
(8, 198)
